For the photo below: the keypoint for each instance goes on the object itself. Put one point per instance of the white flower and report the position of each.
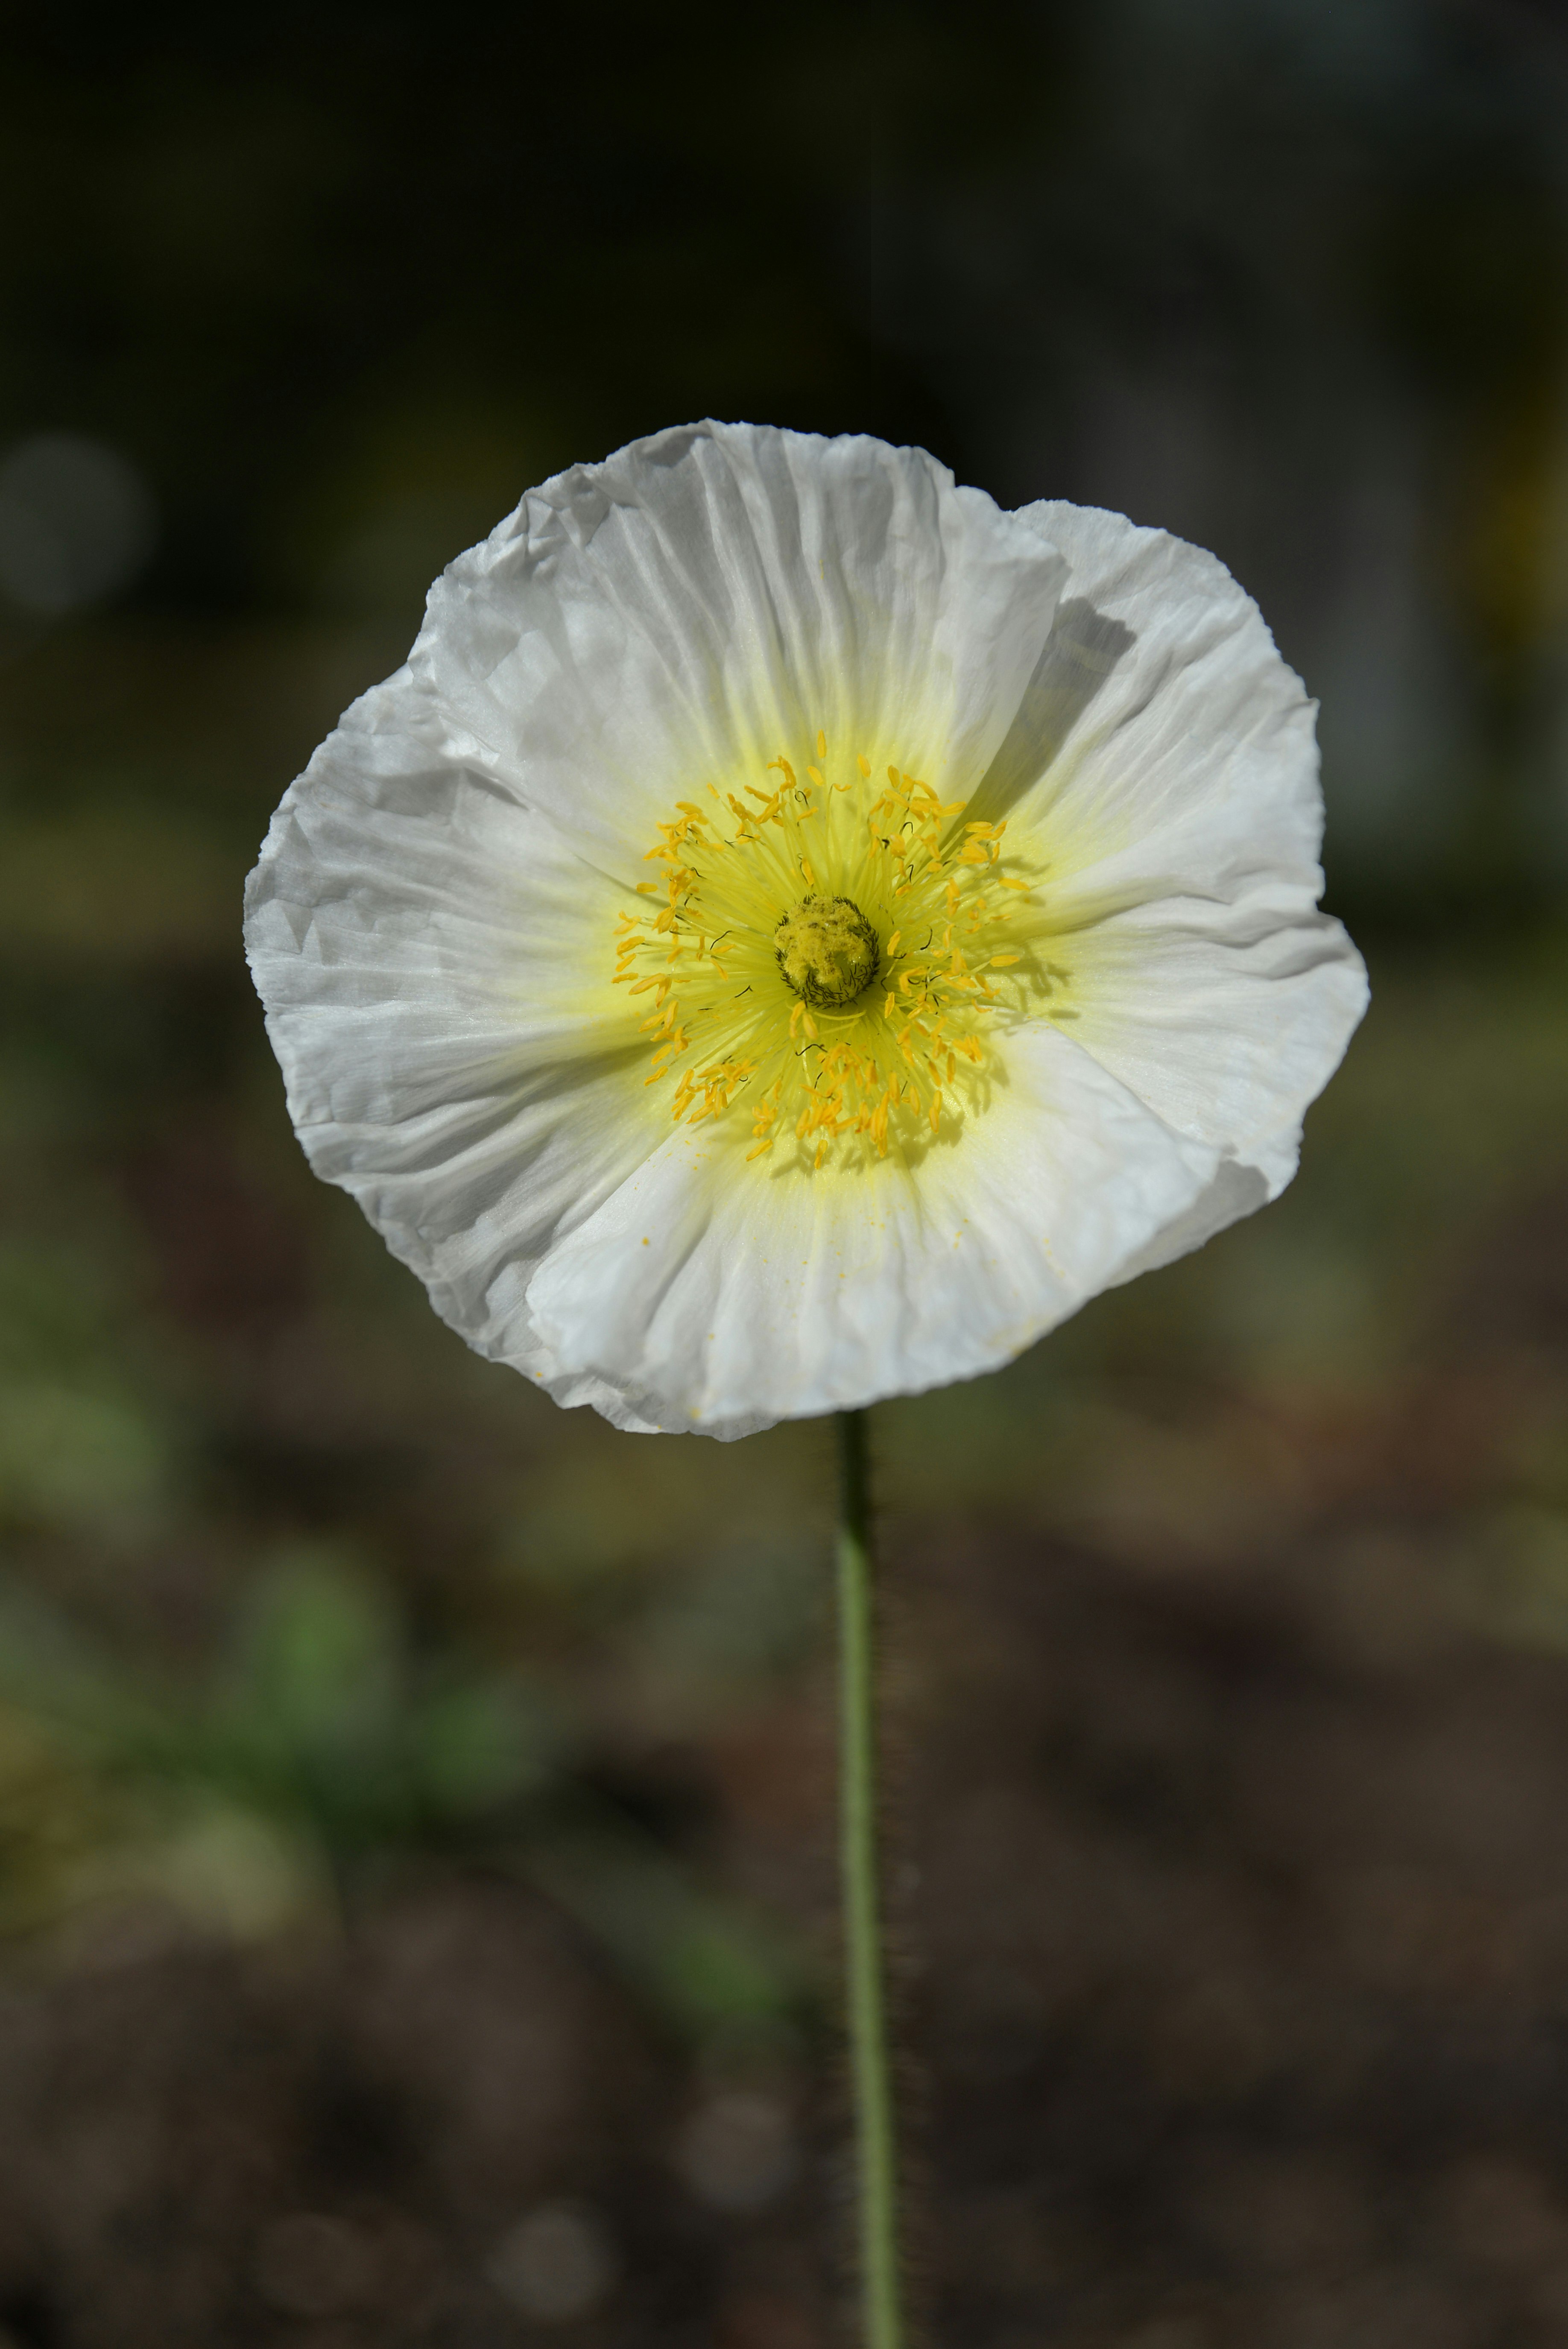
(791, 931)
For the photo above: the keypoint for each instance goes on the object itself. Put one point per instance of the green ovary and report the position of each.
(827, 950)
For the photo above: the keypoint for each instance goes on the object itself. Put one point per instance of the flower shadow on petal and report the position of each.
(1077, 661)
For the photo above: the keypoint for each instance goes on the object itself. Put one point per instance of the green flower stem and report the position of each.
(877, 2148)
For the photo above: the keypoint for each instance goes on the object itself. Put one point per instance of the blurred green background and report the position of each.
(414, 1802)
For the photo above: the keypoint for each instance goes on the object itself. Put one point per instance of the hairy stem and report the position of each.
(876, 2140)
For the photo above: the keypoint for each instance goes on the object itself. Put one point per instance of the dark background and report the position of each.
(415, 1803)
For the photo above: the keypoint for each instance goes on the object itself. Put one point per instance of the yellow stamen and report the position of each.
(779, 1001)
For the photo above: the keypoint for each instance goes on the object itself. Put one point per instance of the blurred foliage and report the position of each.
(318, 1747)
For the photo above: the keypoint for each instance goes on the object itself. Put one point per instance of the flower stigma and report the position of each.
(832, 957)
(827, 950)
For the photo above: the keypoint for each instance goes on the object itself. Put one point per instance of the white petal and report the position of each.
(419, 941)
(1164, 762)
(1228, 1022)
(706, 599)
(710, 1291)
(1162, 747)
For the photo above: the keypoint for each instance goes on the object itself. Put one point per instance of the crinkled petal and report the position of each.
(1227, 1020)
(1164, 762)
(702, 601)
(419, 943)
(708, 1293)
(1163, 745)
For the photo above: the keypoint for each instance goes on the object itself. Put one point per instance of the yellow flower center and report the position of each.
(849, 1020)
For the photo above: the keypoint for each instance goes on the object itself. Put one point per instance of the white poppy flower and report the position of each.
(792, 932)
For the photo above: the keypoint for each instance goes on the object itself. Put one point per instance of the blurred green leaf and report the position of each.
(1509, 1577)
(703, 1960)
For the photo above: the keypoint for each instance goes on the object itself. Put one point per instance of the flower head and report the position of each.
(792, 932)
